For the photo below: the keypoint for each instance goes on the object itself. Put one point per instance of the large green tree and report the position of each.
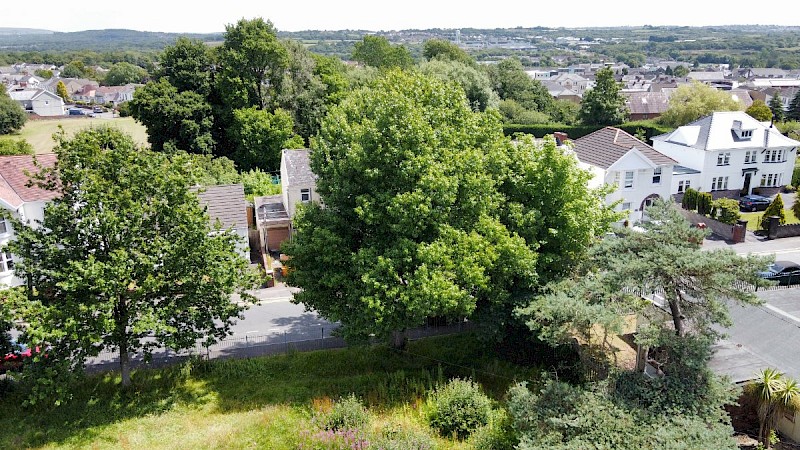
(174, 120)
(409, 227)
(253, 62)
(187, 65)
(511, 82)
(604, 104)
(759, 111)
(377, 51)
(125, 258)
(475, 83)
(794, 108)
(123, 73)
(446, 50)
(776, 107)
(61, 91)
(691, 102)
(776, 394)
(260, 136)
(12, 116)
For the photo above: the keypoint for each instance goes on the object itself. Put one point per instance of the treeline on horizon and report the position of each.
(737, 45)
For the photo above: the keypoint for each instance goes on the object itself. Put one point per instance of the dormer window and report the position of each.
(741, 133)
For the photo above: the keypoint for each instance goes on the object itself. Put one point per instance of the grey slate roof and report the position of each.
(647, 102)
(607, 145)
(225, 202)
(298, 167)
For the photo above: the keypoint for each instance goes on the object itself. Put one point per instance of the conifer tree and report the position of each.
(774, 209)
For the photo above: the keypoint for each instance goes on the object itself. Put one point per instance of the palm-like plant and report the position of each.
(776, 395)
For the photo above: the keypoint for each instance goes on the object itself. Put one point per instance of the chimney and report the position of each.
(560, 137)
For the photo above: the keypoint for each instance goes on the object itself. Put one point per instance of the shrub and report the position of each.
(347, 414)
(689, 201)
(499, 434)
(15, 147)
(726, 210)
(774, 209)
(796, 176)
(704, 203)
(458, 408)
(399, 437)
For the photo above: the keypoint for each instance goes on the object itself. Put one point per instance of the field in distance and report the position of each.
(39, 133)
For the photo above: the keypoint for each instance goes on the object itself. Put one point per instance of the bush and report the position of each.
(347, 414)
(458, 408)
(796, 176)
(704, 203)
(15, 147)
(689, 201)
(774, 209)
(726, 210)
(398, 437)
(499, 434)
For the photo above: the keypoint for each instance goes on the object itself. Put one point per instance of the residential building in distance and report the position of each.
(733, 153)
(40, 102)
(640, 173)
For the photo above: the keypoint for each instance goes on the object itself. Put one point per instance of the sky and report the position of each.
(295, 15)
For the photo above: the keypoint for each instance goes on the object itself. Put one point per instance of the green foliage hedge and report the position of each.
(648, 127)
(347, 414)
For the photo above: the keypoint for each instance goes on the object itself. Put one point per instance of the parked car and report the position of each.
(784, 272)
(77, 112)
(754, 203)
(98, 109)
(14, 359)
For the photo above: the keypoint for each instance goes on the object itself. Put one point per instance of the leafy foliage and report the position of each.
(726, 210)
(690, 199)
(61, 90)
(775, 208)
(691, 102)
(776, 395)
(511, 82)
(604, 104)
(348, 413)
(260, 136)
(12, 116)
(794, 108)
(704, 203)
(376, 51)
(125, 258)
(776, 108)
(123, 73)
(475, 83)
(458, 408)
(9, 147)
(445, 50)
(759, 111)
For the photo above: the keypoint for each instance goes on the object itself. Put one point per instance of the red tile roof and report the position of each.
(14, 170)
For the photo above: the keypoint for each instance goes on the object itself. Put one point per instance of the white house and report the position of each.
(25, 203)
(640, 173)
(39, 101)
(733, 154)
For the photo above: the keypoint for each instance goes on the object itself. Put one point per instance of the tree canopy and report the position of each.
(604, 104)
(446, 50)
(759, 111)
(691, 102)
(377, 51)
(12, 116)
(410, 209)
(776, 107)
(123, 73)
(125, 258)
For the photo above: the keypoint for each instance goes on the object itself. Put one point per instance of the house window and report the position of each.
(6, 262)
(305, 195)
(683, 185)
(626, 206)
(771, 179)
(724, 159)
(629, 179)
(750, 156)
(747, 133)
(5, 227)
(719, 183)
(772, 156)
(657, 175)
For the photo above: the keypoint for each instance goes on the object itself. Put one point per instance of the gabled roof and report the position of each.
(714, 132)
(225, 202)
(647, 102)
(31, 94)
(14, 178)
(606, 146)
(298, 167)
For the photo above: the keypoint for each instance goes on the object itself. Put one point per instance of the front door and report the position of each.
(746, 188)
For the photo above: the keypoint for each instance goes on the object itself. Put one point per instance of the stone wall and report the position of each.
(723, 230)
(777, 231)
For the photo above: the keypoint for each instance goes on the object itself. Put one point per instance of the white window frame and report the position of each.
(5, 226)
(305, 195)
(6, 262)
(628, 207)
(628, 181)
(719, 183)
(750, 157)
(724, 159)
(683, 185)
(657, 175)
(771, 179)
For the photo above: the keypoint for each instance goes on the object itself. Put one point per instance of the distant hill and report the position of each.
(5, 31)
(112, 39)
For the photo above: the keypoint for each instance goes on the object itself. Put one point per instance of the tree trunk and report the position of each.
(399, 339)
(125, 363)
(677, 314)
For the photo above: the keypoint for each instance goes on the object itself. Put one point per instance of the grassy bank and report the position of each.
(754, 219)
(39, 133)
(265, 402)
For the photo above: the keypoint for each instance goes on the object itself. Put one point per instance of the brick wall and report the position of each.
(721, 229)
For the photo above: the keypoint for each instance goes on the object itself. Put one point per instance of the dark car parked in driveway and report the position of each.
(754, 203)
(784, 272)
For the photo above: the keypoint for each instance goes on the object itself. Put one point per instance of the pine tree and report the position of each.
(794, 108)
(776, 106)
(774, 209)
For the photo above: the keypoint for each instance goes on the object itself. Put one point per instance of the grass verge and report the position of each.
(754, 219)
(39, 133)
(264, 402)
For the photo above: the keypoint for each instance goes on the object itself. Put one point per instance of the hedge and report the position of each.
(539, 130)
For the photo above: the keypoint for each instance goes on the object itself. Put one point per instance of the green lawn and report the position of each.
(754, 218)
(39, 133)
(261, 402)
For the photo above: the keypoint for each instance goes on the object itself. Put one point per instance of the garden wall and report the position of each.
(721, 229)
